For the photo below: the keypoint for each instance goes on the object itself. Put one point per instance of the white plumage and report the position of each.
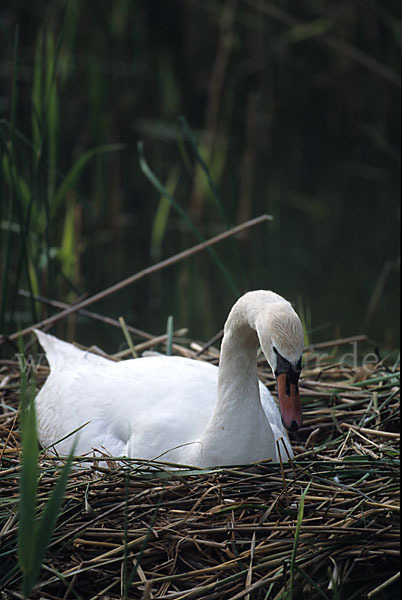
(172, 408)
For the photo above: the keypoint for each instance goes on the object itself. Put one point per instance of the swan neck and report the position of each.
(238, 357)
(238, 404)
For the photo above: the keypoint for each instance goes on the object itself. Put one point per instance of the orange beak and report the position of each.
(289, 402)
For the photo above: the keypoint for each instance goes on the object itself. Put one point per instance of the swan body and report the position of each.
(176, 409)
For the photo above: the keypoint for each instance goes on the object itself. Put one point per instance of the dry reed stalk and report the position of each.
(137, 276)
(227, 532)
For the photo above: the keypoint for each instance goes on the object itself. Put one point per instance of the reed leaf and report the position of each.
(28, 484)
(71, 177)
(16, 182)
(52, 112)
(188, 134)
(313, 28)
(36, 115)
(127, 337)
(67, 253)
(163, 191)
(14, 87)
(33, 536)
(47, 522)
(161, 218)
(169, 333)
(299, 522)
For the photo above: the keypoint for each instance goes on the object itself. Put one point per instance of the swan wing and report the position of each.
(60, 354)
(139, 407)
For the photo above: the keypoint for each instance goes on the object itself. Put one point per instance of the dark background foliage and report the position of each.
(295, 108)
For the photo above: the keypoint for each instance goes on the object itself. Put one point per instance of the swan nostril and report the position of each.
(292, 427)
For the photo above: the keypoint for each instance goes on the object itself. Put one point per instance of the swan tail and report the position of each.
(57, 351)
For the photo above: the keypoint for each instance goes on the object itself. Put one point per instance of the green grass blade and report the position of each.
(28, 483)
(299, 522)
(33, 539)
(48, 520)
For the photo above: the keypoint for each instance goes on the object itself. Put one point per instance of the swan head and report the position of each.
(282, 341)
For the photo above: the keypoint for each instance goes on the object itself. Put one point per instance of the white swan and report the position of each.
(179, 409)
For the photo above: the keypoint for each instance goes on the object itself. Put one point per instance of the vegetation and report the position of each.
(325, 525)
(294, 110)
(129, 132)
(33, 537)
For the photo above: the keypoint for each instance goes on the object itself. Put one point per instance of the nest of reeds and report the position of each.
(325, 525)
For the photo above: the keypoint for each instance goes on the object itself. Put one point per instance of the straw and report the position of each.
(325, 525)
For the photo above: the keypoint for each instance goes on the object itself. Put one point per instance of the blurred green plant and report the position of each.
(304, 312)
(40, 247)
(160, 222)
(271, 119)
(184, 216)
